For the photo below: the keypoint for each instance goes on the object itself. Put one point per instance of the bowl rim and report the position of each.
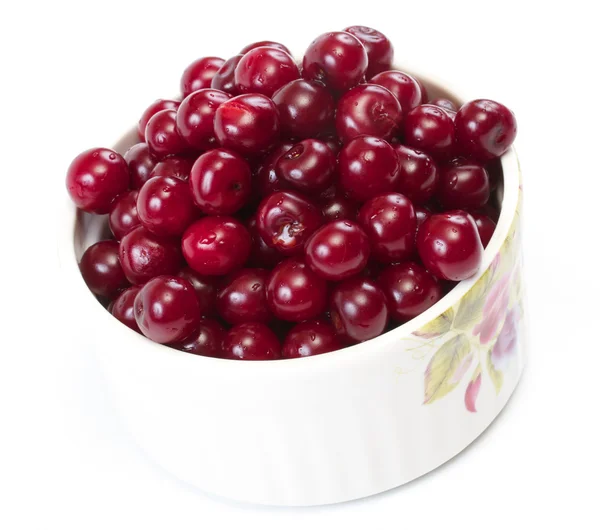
(357, 353)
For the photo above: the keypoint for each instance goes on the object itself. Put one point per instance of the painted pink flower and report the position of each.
(506, 345)
(494, 310)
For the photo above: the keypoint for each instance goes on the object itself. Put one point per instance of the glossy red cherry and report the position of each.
(220, 182)
(251, 341)
(358, 309)
(224, 79)
(144, 255)
(165, 206)
(174, 166)
(95, 178)
(449, 245)
(214, 246)
(261, 254)
(294, 292)
(368, 109)
(313, 337)
(243, 297)
(266, 180)
(308, 166)
(463, 186)
(262, 43)
(485, 227)
(390, 224)
(429, 128)
(166, 309)
(419, 174)
(379, 48)
(368, 167)
(338, 250)
(485, 129)
(206, 290)
(264, 70)
(421, 213)
(337, 59)
(248, 124)
(337, 207)
(196, 116)
(162, 135)
(101, 269)
(123, 216)
(122, 308)
(141, 162)
(306, 109)
(199, 74)
(402, 85)
(409, 289)
(334, 143)
(157, 106)
(206, 340)
(286, 219)
(444, 103)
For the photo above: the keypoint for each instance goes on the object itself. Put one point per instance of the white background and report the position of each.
(78, 74)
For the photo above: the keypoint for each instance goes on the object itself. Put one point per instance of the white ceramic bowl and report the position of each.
(333, 427)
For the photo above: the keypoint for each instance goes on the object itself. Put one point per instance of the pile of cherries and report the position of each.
(283, 210)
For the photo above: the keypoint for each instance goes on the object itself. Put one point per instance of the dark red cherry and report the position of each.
(157, 106)
(174, 166)
(444, 103)
(165, 206)
(421, 213)
(485, 129)
(338, 207)
(214, 246)
(199, 74)
(286, 219)
(261, 254)
(306, 109)
(220, 182)
(402, 85)
(196, 116)
(429, 128)
(368, 167)
(162, 135)
(419, 174)
(358, 309)
(334, 143)
(485, 227)
(337, 59)
(294, 292)
(243, 297)
(262, 43)
(101, 269)
(449, 245)
(390, 224)
(166, 309)
(264, 70)
(463, 186)
(313, 337)
(141, 162)
(206, 340)
(95, 178)
(224, 78)
(248, 124)
(122, 307)
(251, 341)
(368, 110)
(409, 289)
(266, 180)
(308, 166)
(144, 255)
(206, 290)
(338, 250)
(379, 48)
(490, 210)
(123, 216)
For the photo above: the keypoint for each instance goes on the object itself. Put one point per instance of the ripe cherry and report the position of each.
(141, 162)
(444, 103)
(262, 43)
(162, 135)
(261, 254)
(122, 307)
(224, 78)
(313, 337)
(251, 341)
(463, 186)
(243, 297)
(308, 166)
(485, 227)
(101, 269)
(206, 290)
(419, 174)
(157, 106)
(264, 70)
(402, 85)
(123, 216)
(174, 166)
(196, 116)
(199, 74)
(379, 48)
(429, 128)
(206, 340)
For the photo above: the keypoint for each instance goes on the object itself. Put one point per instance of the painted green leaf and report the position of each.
(496, 376)
(446, 367)
(437, 327)
(471, 305)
